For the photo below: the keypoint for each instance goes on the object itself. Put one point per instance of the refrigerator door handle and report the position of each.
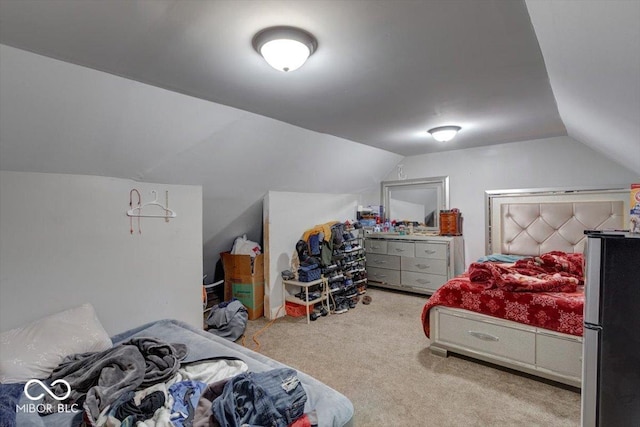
(590, 360)
(593, 255)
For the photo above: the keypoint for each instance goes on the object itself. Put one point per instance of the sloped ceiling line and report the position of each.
(592, 58)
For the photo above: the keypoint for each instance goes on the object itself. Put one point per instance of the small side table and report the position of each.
(324, 295)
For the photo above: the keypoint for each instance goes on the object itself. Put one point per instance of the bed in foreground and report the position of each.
(504, 313)
(534, 331)
(186, 377)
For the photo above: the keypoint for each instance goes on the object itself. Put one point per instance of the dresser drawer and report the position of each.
(431, 250)
(430, 282)
(502, 341)
(401, 248)
(383, 261)
(383, 275)
(373, 246)
(424, 265)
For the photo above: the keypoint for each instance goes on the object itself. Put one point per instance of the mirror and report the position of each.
(416, 200)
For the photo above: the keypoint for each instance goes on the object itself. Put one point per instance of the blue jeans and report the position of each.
(273, 398)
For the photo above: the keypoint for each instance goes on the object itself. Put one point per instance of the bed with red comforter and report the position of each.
(545, 291)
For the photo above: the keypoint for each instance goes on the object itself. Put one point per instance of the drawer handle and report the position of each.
(423, 281)
(423, 266)
(381, 275)
(483, 336)
(376, 247)
(399, 250)
(379, 262)
(429, 251)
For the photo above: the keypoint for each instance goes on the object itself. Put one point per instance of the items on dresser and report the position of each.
(413, 263)
(450, 222)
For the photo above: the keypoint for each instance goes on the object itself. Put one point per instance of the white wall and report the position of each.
(59, 117)
(544, 163)
(287, 216)
(65, 240)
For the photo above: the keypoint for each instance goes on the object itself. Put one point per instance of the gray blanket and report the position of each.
(100, 378)
(332, 408)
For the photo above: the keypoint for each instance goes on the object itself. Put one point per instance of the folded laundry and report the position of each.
(309, 276)
(309, 273)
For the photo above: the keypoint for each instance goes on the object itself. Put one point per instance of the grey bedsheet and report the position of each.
(333, 409)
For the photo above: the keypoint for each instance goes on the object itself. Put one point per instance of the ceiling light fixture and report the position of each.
(285, 48)
(444, 133)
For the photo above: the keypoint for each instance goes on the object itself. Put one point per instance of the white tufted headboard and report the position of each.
(536, 228)
(532, 223)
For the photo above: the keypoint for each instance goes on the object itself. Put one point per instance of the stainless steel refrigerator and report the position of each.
(611, 350)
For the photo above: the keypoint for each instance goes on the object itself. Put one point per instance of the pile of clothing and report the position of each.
(145, 380)
(308, 272)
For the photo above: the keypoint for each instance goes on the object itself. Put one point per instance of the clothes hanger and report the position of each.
(137, 211)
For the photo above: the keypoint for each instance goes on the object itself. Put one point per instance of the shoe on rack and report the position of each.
(338, 277)
(330, 269)
(320, 311)
(342, 308)
(350, 292)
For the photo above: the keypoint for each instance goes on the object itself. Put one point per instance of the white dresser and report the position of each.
(413, 263)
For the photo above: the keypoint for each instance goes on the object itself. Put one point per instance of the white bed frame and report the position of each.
(530, 222)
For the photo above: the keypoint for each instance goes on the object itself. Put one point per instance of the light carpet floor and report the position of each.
(377, 355)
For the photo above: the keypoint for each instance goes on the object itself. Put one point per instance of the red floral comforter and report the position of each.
(545, 291)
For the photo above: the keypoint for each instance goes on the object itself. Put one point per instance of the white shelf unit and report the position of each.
(324, 295)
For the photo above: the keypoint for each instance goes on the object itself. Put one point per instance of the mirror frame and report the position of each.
(437, 182)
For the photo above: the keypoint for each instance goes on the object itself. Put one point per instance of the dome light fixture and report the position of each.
(444, 133)
(285, 48)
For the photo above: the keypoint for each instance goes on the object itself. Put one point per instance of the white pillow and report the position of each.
(37, 348)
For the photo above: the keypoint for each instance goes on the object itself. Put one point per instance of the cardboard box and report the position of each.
(242, 265)
(634, 206)
(251, 295)
(241, 269)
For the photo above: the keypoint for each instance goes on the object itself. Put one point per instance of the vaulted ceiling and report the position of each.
(384, 71)
(171, 91)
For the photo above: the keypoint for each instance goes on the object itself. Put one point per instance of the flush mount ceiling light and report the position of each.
(444, 133)
(285, 48)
